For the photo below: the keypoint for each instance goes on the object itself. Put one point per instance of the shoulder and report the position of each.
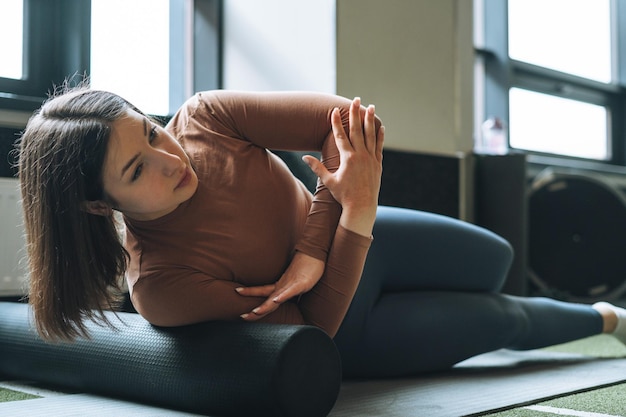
(204, 113)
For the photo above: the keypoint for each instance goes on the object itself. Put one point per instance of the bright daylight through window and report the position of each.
(551, 124)
(572, 37)
(11, 32)
(130, 51)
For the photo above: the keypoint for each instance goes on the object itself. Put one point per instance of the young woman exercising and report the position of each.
(218, 228)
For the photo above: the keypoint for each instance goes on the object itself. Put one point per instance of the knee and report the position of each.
(490, 256)
(499, 247)
(505, 254)
(506, 250)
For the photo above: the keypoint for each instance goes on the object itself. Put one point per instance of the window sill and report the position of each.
(10, 101)
(566, 163)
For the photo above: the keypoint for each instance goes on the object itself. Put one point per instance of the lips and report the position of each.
(185, 179)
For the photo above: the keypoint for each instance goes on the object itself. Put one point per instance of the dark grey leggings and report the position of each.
(429, 298)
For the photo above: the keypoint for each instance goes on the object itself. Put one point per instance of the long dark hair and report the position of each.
(75, 259)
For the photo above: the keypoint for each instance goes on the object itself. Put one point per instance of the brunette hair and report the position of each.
(75, 259)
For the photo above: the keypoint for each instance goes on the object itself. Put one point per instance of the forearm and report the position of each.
(354, 185)
(326, 304)
(355, 214)
(355, 182)
(359, 220)
(325, 211)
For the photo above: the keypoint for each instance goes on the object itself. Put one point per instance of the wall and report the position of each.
(412, 58)
(279, 45)
(13, 118)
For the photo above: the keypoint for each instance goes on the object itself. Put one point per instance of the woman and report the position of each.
(217, 228)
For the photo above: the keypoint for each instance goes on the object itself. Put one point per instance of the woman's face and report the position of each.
(146, 171)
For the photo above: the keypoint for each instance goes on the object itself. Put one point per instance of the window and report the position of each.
(552, 124)
(49, 49)
(147, 51)
(130, 51)
(12, 34)
(552, 70)
(155, 53)
(571, 36)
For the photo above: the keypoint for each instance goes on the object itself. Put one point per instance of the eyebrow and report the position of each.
(134, 158)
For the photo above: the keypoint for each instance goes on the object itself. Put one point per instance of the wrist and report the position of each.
(358, 219)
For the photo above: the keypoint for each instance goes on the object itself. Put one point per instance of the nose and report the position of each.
(171, 164)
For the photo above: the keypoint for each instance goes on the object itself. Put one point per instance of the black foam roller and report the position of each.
(213, 368)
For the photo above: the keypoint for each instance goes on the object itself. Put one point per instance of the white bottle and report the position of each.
(494, 137)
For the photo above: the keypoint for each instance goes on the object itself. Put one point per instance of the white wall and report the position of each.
(414, 60)
(14, 118)
(279, 45)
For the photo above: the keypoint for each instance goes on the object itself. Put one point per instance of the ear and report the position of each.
(97, 207)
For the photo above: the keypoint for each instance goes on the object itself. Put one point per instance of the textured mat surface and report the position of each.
(82, 405)
(489, 382)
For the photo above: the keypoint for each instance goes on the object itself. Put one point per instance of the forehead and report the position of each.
(128, 123)
(124, 142)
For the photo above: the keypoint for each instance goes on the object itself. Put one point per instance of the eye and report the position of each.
(137, 172)
(153, 134)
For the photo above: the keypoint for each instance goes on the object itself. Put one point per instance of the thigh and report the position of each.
(407, 333)
(419, 252)
(414, 250)
(412, 332)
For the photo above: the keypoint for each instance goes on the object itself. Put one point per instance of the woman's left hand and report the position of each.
(301, 275)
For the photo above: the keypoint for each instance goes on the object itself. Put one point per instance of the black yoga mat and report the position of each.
(229, 369)
(491, 382)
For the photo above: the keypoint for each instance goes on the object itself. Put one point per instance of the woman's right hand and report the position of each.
(356, 183)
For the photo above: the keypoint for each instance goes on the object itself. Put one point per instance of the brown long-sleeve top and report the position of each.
(248, 216)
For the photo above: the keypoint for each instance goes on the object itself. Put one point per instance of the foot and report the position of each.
(614, 319)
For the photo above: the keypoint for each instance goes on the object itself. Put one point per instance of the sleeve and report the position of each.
(191, 297)
(176, 296)
(293, 121)
(326, 305)
(187, 297)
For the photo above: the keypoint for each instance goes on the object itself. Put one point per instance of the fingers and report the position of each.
(314, 164)
(275, 298)
(261, 311)
(380, 141)
(341, 137)
(266, 291)
(318, 168)
(362, 126)
(259, 291)
(369, 128)
(356, 128)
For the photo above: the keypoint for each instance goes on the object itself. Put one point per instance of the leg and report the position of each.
(413, 332)
(438, 252)
(427, 300)
(419, 251)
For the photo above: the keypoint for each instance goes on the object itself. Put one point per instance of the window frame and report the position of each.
(497, 73)
(196, 48)
(57, 46)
